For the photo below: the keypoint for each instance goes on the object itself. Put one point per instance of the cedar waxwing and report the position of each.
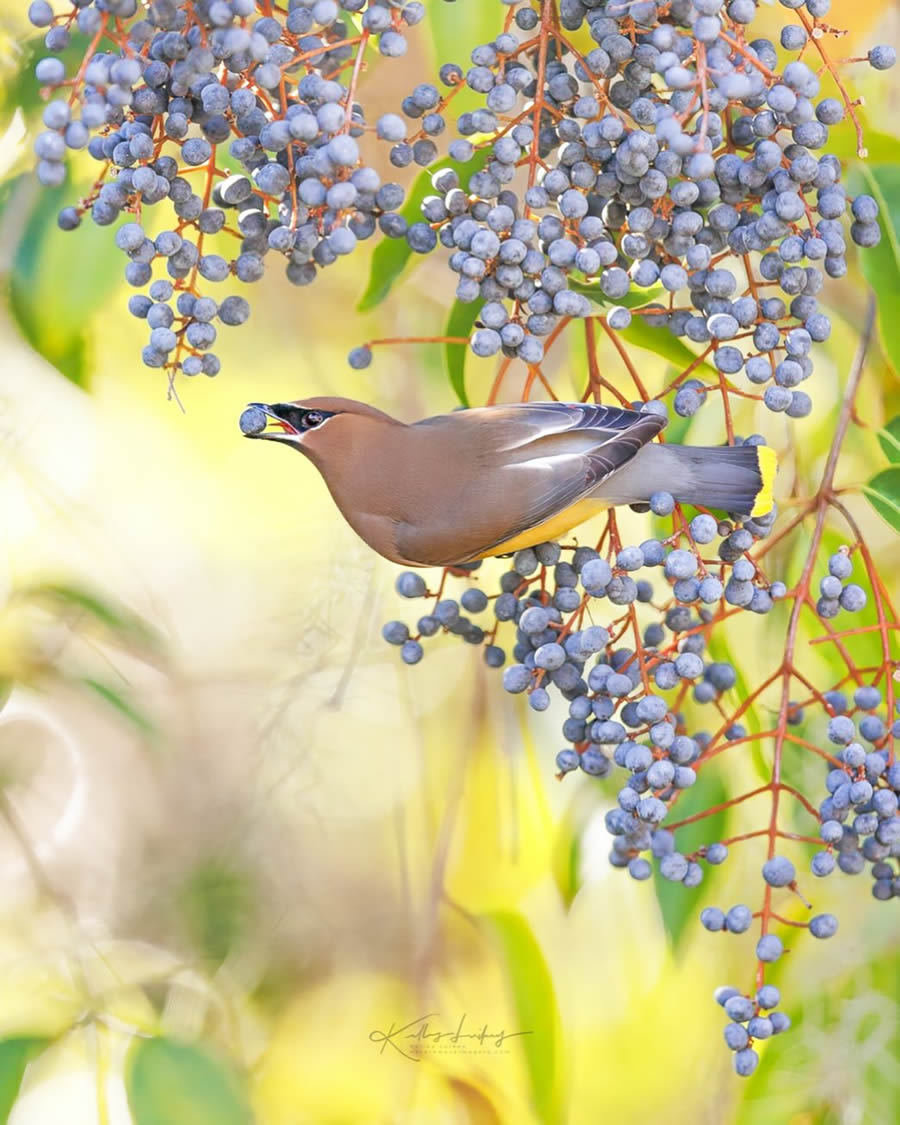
(491, 480)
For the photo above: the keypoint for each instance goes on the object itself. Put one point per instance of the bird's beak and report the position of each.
(270, 423)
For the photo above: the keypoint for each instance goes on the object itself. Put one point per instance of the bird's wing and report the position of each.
(525, 427)
(538, 459)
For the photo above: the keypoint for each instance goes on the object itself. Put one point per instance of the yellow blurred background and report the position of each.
(262, 834)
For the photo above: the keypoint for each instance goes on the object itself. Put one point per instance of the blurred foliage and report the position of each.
(216, 904)
(44, 621)
(56, 282)
(883, 490)
(15, 1054)
(50, 307)
(534, 999)
(179, 1082)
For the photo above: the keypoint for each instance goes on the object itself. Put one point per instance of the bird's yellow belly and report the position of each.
(552, 528)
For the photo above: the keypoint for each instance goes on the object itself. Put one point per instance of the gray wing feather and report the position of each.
(560, 452)
(519, 424)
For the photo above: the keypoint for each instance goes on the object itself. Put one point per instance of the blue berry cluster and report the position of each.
(860, 825)
(835, 592)
(751, 1018)
(653, 164)
(164, 93)
(657, 163)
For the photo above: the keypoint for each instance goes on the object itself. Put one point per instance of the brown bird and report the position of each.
(488, 481)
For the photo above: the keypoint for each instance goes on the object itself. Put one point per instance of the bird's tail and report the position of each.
(735, 478)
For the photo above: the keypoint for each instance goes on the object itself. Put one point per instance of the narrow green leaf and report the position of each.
(565, 860)
(661, 342)
(658, 340)
(118, 702)
(58, 280)
(889, 440)
(15, 1055)
(720, 649)
(392, 255)
(126, 627)
(677, 431)
(677, 903)
(883, 492)
(534, 998)
(634, 299)
(169, 1081)
(456, 30)
(460, 323)
(881, 264)
(19, 88)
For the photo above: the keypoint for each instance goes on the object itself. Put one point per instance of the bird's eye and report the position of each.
(313, 418)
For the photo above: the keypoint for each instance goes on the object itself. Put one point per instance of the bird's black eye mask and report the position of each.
(281, 421)
(299, 418)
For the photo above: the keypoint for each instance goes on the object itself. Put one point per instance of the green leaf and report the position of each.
(455, 30)
(20, 89)
(460, 323)
(661, 342)
(565, 860)
(658, 340)
(880, 147)
(634, 299)
(126, 628)
(720, 649)
(392, 255)
(883, 492)
(116, 700)
(677, 903)
(676, 432)
(15, 1055)
(881, 264)
(58, 280)
(889, 440)
(216, 905)
(169, 1081)
(537, 1011)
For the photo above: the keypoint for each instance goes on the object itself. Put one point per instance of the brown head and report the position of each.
(325, 429)
(359, 451)
(354, 446)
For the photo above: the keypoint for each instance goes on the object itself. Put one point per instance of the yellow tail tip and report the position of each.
(768, 467)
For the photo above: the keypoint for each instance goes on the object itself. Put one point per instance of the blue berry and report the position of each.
(712, 918)
(738, 919)
(410, 585)
(769, 948)
(779, 872)
(823, 926)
